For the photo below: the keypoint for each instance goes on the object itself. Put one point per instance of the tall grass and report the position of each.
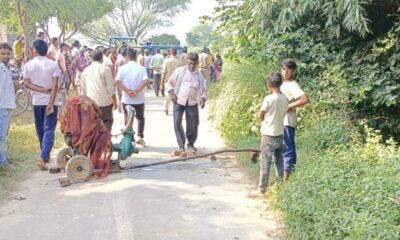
(236, 99)
(23, 149)
(234, 103)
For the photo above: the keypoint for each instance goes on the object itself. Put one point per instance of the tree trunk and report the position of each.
(72, 33)
(24, 30)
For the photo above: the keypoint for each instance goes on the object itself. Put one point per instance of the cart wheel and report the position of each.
(63, 156)
(79, 169)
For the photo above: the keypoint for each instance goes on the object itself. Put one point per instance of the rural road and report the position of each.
(195, 200)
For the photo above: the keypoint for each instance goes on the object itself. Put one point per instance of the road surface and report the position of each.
(197, 200)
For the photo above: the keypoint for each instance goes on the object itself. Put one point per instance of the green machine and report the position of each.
(79, 168)
(125, 147)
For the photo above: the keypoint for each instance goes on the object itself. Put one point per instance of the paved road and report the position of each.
(196, 200)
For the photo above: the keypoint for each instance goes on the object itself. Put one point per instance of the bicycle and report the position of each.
(23, 98)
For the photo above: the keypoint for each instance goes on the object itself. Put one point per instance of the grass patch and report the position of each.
(353, 194)
(23, 148)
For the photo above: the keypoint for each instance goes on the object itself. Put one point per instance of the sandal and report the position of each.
(192, 149)
(141, 142)
(41, 165)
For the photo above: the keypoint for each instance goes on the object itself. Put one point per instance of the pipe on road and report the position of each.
(182, 159)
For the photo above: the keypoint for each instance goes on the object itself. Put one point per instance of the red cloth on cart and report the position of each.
(81, 120)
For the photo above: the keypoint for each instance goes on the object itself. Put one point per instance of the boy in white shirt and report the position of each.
(297, 98)
(272, 113)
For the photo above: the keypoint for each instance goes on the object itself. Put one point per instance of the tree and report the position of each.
(9, 17)
(27, 15)
(164, 39)
(22, 15)
(72, 15)
(134, 18)
(222, 43)
(342, 46)
(268, 17)
(200, 36)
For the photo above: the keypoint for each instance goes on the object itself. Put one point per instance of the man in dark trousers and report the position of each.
(41, 77)
(188, 91)
(131, 79)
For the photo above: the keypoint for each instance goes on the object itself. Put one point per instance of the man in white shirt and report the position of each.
(147, 60)
(188, 91)
(64, 75)
(156, 65)
(53, 49)
(97, 82)
(121, 61)
(41, 77)
(7, 101)
(75, 52)
(131, 79)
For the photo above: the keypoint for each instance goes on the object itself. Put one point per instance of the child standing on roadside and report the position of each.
(272, 113)
(297, 98)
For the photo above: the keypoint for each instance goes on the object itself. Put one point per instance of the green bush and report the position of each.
(354, 194)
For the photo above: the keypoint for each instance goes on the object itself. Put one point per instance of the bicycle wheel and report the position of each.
(21, 102)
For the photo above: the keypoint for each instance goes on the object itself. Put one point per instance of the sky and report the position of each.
(183, 22)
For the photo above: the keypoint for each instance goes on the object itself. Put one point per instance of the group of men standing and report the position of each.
(177, 78)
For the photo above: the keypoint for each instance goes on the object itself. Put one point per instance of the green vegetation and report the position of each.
(234, 103)
(346, 185)
(350, 43)
(23, 149)
(353, 194)
(27, 15)
(164, 39)
(200, 36)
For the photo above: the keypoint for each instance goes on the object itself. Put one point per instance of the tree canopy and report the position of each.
(71, 15)
(349, 46)
(200, 36)
(134, 18)
(164, 39)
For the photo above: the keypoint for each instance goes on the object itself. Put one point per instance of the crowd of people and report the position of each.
(117, 80)
(112, 79)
